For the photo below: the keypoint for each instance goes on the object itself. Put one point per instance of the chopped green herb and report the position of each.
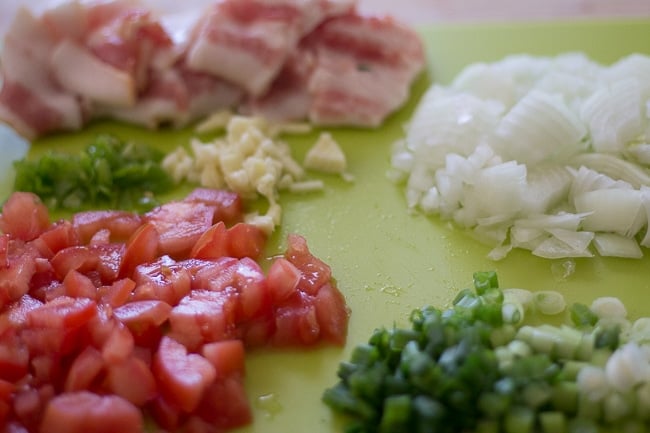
(108, 172)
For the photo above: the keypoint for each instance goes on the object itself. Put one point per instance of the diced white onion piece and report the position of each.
(645, 201)
(613, 167)
(547, 187)
(611, 210)
(555, 248)
(529, 238)
(613, 114)
(516, 143)
(540, 127)
(549, 302)
(577, 240)
(586, 180)
(435, 129)
(497, 190)
(561, 220)
(615, 245)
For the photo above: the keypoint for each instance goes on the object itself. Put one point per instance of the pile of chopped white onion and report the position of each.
(549, 154)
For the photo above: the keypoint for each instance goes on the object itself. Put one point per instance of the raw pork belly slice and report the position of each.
(30, 101)
(59, 68)
(253, 38)
(106, 60)
(288, 98)
(359, 70)
(315, 60)
(176, 97)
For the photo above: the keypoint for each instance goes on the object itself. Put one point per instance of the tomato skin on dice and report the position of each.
(118, 315)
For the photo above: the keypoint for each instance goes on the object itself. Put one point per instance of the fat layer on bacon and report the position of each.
(316, 60)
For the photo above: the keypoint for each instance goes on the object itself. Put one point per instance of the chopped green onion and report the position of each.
(482, 366)
(549, 302)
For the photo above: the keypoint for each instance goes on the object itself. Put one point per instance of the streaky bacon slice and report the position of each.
(361, 71)
(316, 60)
(288, 97)
(79, 71)
(30, 100)
(256, 36)
(176, 96)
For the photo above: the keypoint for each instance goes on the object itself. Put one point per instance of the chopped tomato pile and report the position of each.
(111, 319)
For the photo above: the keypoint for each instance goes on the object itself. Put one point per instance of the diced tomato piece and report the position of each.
(58, 236)
(213, 275)
(4, 250)
(241, 240)
(315, 272)
(225, 404)
(116, 294)
(24, 216)
(296, 323)
(227, 357)
(212, 244)
(9, 426)
(56, 327)
(46, 368)
(6, 389)
(102, 237)
(85, 370)
(100, 327)
(15, 279)
(162, 279)
(166, 414)
(142, 247)
(77, 258)
(110, 258)
(332, 314)
(180, 225)
(14, 359)
(182, 377)
(17, 313)
(131, 379)
(62, 312)
(258, 332)
(144, 319)
(204, 316)
(83, 412)
(120, 224)
(51, 341)
(228, 205)
(119, 344)
(196, 424)
(27, 406)
(250, 281)
(282, 279)
(44, 274)
(79, 286)
(14, 426)
(246, 240)
(142, 314)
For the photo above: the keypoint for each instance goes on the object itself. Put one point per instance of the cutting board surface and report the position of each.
(386, 260)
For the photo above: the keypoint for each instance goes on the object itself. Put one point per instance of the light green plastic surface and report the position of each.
(387, 261)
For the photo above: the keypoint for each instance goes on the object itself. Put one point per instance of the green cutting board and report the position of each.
(388, 261)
